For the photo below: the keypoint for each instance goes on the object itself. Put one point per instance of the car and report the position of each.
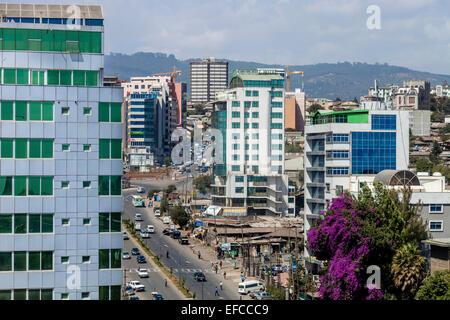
(166, 220)
(175, 234)
(157, 213)
(167, 232)
(150, 229)
(125, 236)
(142, 273)
(157, 296)
(191, 176)
(145, 234)
(137, 227)
(183, 240)
(126, 255)
(135, 252)
(134, 298)
(263, 296)
(140, 190)
(138, 217)
(199, 276)
(141, 259)
(129, 290)
(137, 286)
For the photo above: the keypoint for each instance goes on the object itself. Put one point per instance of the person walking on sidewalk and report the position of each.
(220, 264)
(217, 292)
(215, 268)
(165, 282)
(225, 275)
(221, 284)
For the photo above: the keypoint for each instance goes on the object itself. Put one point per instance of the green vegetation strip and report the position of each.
(156, 260)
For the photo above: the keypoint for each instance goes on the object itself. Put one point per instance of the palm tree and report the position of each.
(408, 270)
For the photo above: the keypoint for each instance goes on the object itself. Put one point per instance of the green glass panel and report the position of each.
(47, 186)
(96, 42)
(20, 294)
(116, 222)
(59, 37)
(103, 112)
(20, 261)
(7, 148)
(53, 77)
(34, 40)
(92, 78)
(23, 76)
(116, 149)
(71, 35)
(21, 39)
(21, 149)
(5, 261)
(103, 293)
(103, 185)
(47, 149)
(47, 40)
(9, 76)
(20, 223)
(47, 260)
(47, 294)
(35, 149)
(21, 110)
(7, 110)
(5, 186)
(116, 255)
(34, 294)
(41, 78)
(5, 223)
(35, 111)
(116, 112)
(104, 146)
(79, 78)
(65, 77)
(34, 261)
(84, 39)
(47, 111)
(5, 295)
(116, 292)
(47, 223)
(34, 223)
(116, 185)
(9, 39)
(20, 186)
(103, 258)
(103, 222)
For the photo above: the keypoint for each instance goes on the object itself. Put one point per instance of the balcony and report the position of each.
(316, 200)
(257, 195)
(322, 169)
(316, 184)
(316, 153)
(316, 137)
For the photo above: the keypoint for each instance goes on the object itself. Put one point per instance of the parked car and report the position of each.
(263, 296)
(176, 235)
(140, 190)
(134, 298)
(126, 255)
(167, 232)
(137, 286)
(141, 259)
(135, 252)
(145, 234)
(142, 273)
(151, 229)
(157, 296)
(129, 290)
(157, 212)
(138, 217)
(125, 236)
(166, 220)
(183, 240)
(199, 276)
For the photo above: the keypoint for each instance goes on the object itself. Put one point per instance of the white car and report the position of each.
(142, 273)
(166, 220)
(150, 229)
(145, 234)
(157, 213)
(138, 217)
(136, 285)
(140, 190)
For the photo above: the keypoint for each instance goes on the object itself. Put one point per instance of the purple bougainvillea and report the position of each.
(338, 239)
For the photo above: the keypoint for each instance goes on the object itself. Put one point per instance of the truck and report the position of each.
(137, 286)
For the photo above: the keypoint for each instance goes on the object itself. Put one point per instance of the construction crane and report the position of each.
(173, 74)
(288, 78)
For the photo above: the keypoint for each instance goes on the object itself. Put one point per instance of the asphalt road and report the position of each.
(155, 281)
(181, 258)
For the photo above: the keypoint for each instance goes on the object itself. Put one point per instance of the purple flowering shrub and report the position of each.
(338, 238)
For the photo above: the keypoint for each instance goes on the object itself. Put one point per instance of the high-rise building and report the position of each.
(208, 77)
(295, 110)
(250, 117)
(151, 118)
(343, 144)
(61, 157)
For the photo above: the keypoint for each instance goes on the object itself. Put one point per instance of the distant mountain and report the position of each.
(325, 80)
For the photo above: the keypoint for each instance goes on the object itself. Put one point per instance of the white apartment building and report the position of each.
(250, 117)
(208, 77)
(342, 144)
(61, 157)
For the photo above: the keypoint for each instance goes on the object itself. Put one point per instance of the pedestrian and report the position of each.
(199, 256)
(221, 284)
(217, 292)
(220, 264)
(225, 275)
(216, 268)
(165, 282)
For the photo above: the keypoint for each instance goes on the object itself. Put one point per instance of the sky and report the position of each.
(408, 33)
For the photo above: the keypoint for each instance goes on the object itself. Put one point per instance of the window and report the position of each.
(235, 103)
(64, 260)
(277, 115)
(86, 184)
(255, 104)
(65, 184)
(65, 222)
(110, 258)
(248, 93)
(21, 149)
(275, 104)
(109, 112)
(235, 114)
(236, 157)
(247, 104)
(373, 152)
(85, 295)
(256, 93)
(255, 169)
(276, 126)
(86, 259)
(5, 223)
(87, 148)
(337, 171)
(236, 136)
(5, 261)
(255, 125)
(86, 221)
(64, 296)
(110, 222)
(239, 179)
(340, 138)
(339, 190)
(235, 168)
(436, 226)
(235, 125)
(66, 147)
(65, 111)
(436, 208)
(7, 110)
(87, 111)
(384, 122)
(239, 190)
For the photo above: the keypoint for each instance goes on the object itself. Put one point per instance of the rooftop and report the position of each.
(48, 11)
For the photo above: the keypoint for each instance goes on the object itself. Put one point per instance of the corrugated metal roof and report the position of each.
(49, 11)
(260, 77)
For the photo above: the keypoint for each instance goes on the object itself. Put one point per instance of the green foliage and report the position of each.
(423, 165)
(277, 293)
(203, 183)
(435, 287)
(293, 148)
(164, 206)
(314, 108)
(437, 117)
(444, 170)
(180, 216)
(170, 189)
(167, 161)
(436, 151)
(301, 177)
(152, 192)
(302, 283)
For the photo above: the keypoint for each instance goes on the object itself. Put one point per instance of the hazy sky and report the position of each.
(414, 33)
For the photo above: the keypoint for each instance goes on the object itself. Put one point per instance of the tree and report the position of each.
(167, 161)
(152, 192)
(436, 151)
(314, 108)
(408, 269)
(355, 100)
(424, 165)
(435, 287)
(202, 183)
(170, 189)
(180, 216)
(301, 177)
(164, 205)
(444, 170)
